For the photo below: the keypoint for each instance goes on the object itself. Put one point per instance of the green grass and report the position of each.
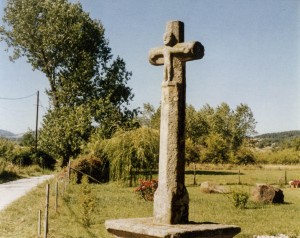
(114, 201)
(10, 172)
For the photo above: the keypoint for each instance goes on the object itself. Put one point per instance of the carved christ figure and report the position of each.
(164, 55)
(168, 52)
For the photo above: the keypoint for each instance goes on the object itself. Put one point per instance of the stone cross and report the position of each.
(171, 200)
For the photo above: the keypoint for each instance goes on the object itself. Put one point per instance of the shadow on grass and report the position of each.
(6, 176)
(204, 172)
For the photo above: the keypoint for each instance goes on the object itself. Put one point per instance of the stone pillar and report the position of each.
(171, 200)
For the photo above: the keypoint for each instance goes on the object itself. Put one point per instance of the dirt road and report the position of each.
(13, 190)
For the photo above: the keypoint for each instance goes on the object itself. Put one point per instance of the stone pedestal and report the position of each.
(146, 228)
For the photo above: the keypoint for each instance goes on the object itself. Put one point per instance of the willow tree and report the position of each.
(131, 153)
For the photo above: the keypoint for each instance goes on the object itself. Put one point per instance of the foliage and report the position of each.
(285, 156)
(86, 84)
(64, 131)
(87, 202)
(215, 150)
(28, 139)
(220, 132)
(240, 199)
(25, 156)
(213, 135)
(94, 167)
(192, 151)
(131, 152)
(283, 140)
(22, 156)
(146, 189)
(244, 156)
(43, 159)
(62, 41)
(6, 148)
(150, 117)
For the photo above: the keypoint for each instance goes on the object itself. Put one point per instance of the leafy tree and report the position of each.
(244, 156)
(230, 128)
(64, 131)
(296, 143)
(243, 125)
(28, 139)
(150, 117)
(215, 150)
(6, 148)
(192, 154)
(196, 124)
(61, 40)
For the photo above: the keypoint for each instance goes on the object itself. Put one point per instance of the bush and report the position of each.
(244, 156)
(91, 166)
(22, 156)
(286, 156)
(146, 189)
(240, 199)
(87, 202)
(43, 160)
(6, 148)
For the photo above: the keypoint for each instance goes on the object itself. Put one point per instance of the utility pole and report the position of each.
(37, 119)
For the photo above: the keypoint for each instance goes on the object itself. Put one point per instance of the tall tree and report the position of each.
(62, 41)
(65, 131)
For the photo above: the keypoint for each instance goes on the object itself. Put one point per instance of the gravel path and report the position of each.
(13, 190)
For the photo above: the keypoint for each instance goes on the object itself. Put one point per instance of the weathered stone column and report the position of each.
(171, 200)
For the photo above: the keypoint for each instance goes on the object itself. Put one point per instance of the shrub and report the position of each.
(240, 199)
(22, 156)
(244, 156)
(6, 148)
(146, 189)
(87, 202)
(43, 159)
(91, 166)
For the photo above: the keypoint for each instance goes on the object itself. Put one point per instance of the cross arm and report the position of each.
(184, 51)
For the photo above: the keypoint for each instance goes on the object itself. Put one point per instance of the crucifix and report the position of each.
(171, 200)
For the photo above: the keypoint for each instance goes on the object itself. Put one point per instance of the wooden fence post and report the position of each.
(285, 178)
(46, 212)
(56, 195)
(69, 171)
(39, 223)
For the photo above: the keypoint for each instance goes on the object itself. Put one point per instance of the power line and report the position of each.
(20, 98)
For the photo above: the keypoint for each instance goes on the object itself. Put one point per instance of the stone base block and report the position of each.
(146, 228)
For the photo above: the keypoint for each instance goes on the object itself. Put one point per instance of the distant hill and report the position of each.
(6, 134)
(279, 135)
(10, 135)
(277, 138)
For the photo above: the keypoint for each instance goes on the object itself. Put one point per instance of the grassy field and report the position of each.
(110, 201)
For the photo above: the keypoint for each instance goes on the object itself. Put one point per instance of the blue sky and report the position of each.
(252, 56)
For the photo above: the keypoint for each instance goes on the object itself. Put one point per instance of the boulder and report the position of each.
(267, 194)
(211, 187)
